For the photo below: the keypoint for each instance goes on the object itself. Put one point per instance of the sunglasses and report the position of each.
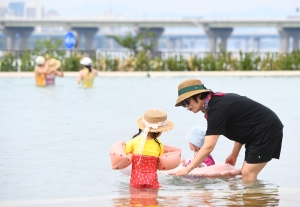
(185, 102)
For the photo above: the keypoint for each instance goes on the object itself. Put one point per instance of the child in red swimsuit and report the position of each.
(146, 148)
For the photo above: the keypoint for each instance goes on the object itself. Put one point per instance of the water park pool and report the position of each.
(54, 143)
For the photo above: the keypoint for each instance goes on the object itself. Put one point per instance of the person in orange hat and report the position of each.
(240, 119)
(146, 148)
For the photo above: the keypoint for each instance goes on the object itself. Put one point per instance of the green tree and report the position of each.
(49, 48)
(143, 39)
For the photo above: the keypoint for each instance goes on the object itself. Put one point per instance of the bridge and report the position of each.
(287, 28)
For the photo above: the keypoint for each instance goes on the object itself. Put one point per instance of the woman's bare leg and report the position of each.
(250, 171)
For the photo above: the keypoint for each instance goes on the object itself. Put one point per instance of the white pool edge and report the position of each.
(171, 74)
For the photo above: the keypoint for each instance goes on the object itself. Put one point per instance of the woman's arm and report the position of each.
(231, 159)
(59, 73)
(209, 145)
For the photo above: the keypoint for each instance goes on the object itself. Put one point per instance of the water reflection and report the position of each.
(232, 194)
(138, 197)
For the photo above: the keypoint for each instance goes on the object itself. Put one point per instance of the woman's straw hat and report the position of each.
(154, 117)
(53, 64)
(189, 88)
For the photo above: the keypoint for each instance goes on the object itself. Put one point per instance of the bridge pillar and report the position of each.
(89, 34)
(296, 41)
(24, 33)
(246, 44)
(255, 44)
(214, 33)
(157, 33)
(286, 34)
(178, 44)
(10, 38)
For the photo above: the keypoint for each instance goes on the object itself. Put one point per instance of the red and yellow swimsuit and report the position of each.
(144, 167)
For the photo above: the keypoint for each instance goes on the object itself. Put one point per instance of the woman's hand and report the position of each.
(231, 159)
(182, 172)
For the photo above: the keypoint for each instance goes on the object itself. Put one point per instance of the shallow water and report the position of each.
(54, 143)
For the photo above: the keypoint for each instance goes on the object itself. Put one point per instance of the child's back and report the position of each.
(147, 148)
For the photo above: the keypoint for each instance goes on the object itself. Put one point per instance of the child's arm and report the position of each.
(129, 147)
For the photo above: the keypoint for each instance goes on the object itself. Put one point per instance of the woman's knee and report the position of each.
(250, 171)
(249, 176)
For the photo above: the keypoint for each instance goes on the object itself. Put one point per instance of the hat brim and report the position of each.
(56, 64)
(168, 126)
(189, 94)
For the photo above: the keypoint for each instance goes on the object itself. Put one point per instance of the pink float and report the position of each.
(118, 157)
(120, 160)
(170, 159)
(214, 171)
(169, 163)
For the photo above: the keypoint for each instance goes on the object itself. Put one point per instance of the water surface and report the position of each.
(54, 143)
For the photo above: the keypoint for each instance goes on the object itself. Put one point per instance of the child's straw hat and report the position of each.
(189, 88)
(156, 120)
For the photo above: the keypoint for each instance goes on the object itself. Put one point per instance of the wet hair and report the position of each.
(153, 135)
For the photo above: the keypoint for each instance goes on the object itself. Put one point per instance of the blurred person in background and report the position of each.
(87, 74)
(40, 70)
(52, 71)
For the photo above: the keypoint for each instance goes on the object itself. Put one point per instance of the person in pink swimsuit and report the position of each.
(196, 140)
(52, 71)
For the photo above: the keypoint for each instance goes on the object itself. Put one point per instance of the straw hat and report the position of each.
(53, 64)
(189, 88)
(154, 117)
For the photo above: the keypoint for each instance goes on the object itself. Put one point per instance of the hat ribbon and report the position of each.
(190, 88)
(145, 133)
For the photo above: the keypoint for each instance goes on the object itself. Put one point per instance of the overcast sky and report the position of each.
(141, 9)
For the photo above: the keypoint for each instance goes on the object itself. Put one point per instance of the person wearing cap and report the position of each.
(40, 70)
(87, 74)
(195, 138)
(146, 148)
(53, 66)
(240, 119)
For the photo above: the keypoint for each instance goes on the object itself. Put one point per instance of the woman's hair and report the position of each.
(200, 95)
(153, 135)
(89, 67)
